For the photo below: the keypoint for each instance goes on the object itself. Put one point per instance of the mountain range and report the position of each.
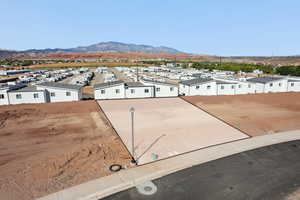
(109, 47)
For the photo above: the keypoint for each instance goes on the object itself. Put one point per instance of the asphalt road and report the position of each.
(271, 172)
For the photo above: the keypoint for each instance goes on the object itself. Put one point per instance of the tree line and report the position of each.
(235, 67)
(288, 70)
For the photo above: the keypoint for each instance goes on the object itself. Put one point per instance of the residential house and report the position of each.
(27, 95)
(198, 86)
(162, 89)
(138, 90)
(110, 90)
(60, 92)
(293, 85)
(267, 84)
(226, 88)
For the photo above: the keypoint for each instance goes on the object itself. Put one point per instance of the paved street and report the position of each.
(265, 173)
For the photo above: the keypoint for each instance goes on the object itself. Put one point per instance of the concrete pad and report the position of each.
(166, 127)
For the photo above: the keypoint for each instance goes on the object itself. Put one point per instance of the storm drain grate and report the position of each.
(147, 188)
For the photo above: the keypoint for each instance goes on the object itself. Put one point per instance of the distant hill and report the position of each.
(110, 47)
(6, 53)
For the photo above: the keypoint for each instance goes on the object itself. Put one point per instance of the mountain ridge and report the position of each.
(110, 46)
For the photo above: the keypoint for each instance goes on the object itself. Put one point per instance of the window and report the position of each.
(68, 93)
(102, 91)
(222, 87)
(232, 87)
(157, 89)
(35, 95)
(18, 96)
(271, 84)
(249, 86)
(52, 94)
(132, 91)
(171, 89)
(208, 87)
(197, 87)
(117, 91)
(292, 84)
(146, 90)
(279, 84)
(240, 86)
(1, 96)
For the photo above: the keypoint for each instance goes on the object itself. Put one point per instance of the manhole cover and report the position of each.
(147, 188)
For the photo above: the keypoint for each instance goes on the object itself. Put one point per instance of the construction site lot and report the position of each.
(165, 127)
(45, 148)
(255, 114)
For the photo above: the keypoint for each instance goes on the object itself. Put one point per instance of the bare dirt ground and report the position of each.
(45, 148)
(255, 114)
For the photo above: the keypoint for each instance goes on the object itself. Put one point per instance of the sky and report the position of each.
(214, 27)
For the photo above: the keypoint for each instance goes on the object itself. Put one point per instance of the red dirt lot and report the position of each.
(255, 114)
(45, 148)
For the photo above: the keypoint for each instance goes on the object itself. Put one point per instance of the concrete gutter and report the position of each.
(105, 186)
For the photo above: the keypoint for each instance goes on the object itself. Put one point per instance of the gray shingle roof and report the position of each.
(60, 85)
(196, 81)
(264, 79)
(108, 84)
(197, 75)
(293, 80)
(135, 84)
(224, 82)
(27, 89)
(158, 82)
(11, 87)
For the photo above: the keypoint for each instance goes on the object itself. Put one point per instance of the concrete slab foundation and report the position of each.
(165, 127)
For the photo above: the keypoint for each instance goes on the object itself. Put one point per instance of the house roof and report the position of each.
(60, 85)
(158, 82)
(264, 79)
(27, 89)
(196, 81)
(224, 82)
(197, 75)
(135, 84)
(293, 80)
(11, 87)
(108, 84)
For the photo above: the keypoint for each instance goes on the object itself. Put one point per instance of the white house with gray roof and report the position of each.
(27, 95)
(20, 94)
(244, 87)
(214, 86)
(293, 85)
(59, 92)
(198, 86)
(110, 90)
(138, 90)
(226, 88)
(4, 89)
(268, 84)
(162, 89)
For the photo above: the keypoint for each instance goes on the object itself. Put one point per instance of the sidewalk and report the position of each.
(125, 179)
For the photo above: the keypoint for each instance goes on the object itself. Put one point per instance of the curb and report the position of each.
(105, 186)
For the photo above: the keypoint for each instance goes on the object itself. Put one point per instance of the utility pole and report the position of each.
(137, 74)
(131, 110)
